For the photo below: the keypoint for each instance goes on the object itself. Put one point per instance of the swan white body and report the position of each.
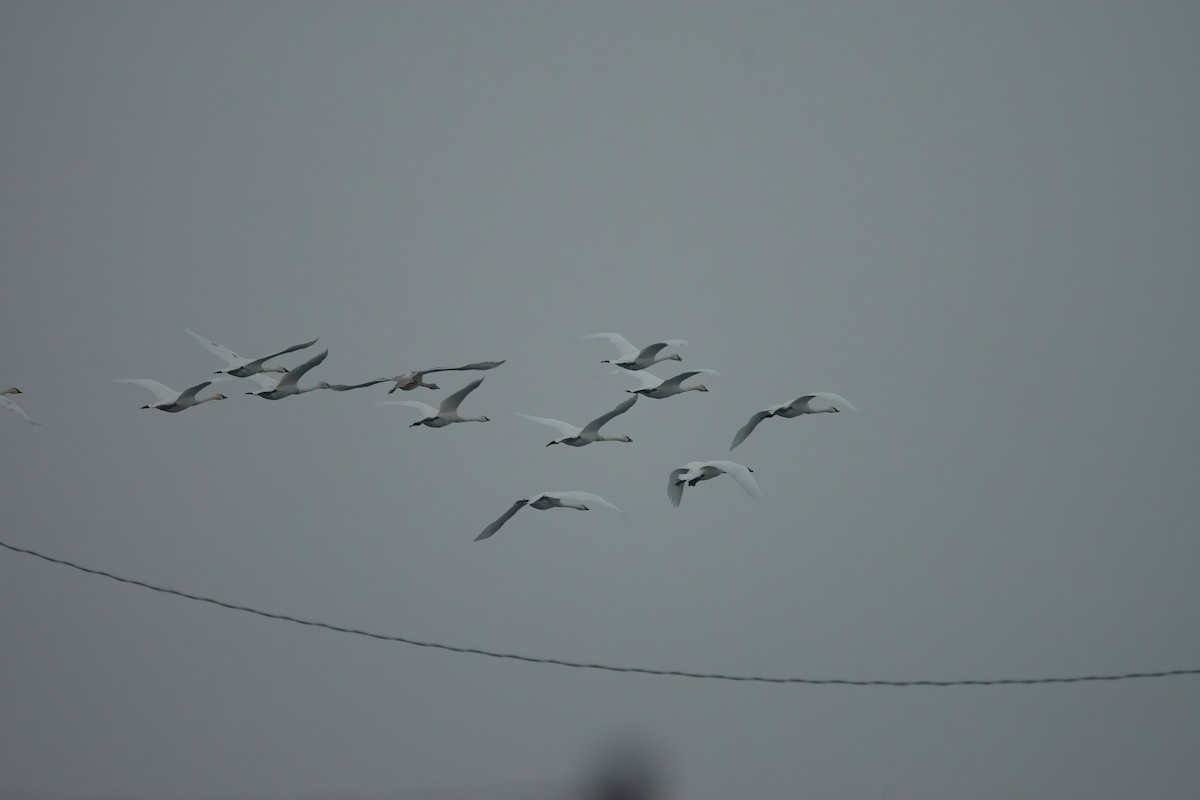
(580, 501)
(578, 437)
(632, 357)
(658, 388)
(240, 367)
(693, 472)
(815, 403)
(11, 406)
(412, 380)
(443, 415)
(167, 399)
(289, 384)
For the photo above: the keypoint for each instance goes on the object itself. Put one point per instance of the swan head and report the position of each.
(624, 439)
(702, 388)
(674, 357)
(219, 397)
(485, 419)
(415, 424)
(12, 390)
(282, 370)
(556, 441)
(431, 386)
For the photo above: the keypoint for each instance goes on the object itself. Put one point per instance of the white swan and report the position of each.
(411, 380)
(240, 367)
(833, 403)
(580, 501)
(631, 357)
(658, 388)
(11, 406)
(693, 472)
(289, 384)
(168, 399)
(445, 414)
(578, 437)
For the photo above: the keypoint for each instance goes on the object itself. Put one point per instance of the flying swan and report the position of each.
(240, 367)
(578, 437)
(693, 472)
(445, 414)
(11, 406)
(801, 405)
(653, 386)
(167, 398)
(580, 501)
(631, 357)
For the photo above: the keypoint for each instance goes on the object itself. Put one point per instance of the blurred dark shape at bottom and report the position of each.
(626, 769)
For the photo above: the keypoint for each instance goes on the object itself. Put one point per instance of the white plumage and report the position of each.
(693, 472)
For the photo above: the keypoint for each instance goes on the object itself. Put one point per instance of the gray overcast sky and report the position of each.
(979, 222)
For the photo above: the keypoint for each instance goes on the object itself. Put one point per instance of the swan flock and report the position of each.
(630, 362)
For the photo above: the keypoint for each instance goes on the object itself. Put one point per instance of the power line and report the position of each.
(589, 666)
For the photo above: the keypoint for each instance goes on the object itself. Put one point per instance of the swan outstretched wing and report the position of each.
(675, 485)
(595, 425)
(805, 403)
(293, 378)
(644, 378)
(222, 352)
(837, 400)
(748, 428)
(164, 394)
(258, 362)
(347, 387)
(677, 380)
(586, 498)
(450, 404)
(565, 428)
(651, 350)
(265, 382)
(740, 473)
(11, 406)
(188, 395)
(424, 408)
(479, 365)
(505, 517)
(625, 350)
